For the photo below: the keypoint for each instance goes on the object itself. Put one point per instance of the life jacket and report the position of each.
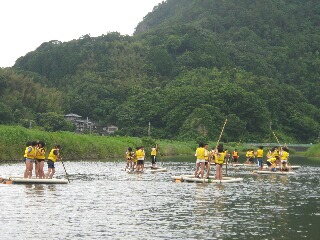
(220, 158)
(52, 156)
(272, 160)
(32, 153)
(269, 154)
(259, 153)
(206, 154)
(153, 152)
(235, 154)
(140, 154)
(26, 152)
(248, 154)
(200, 153)
(40, 153)
(129, 155)
(284, 155)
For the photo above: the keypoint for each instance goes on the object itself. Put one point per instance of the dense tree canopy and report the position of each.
(190, 65)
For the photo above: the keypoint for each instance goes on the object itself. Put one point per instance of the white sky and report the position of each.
(26, 24)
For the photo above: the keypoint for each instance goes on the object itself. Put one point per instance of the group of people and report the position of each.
(218, 156)
(275, 156)
(136, 159)
(35, 153)
(205, 158)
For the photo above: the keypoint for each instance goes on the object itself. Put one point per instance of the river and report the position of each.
(103, 202)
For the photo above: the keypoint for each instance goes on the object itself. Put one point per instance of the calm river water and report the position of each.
(103, 202)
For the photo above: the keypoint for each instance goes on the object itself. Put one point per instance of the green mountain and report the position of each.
(190, 65)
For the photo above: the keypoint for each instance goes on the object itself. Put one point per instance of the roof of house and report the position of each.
(72, 115)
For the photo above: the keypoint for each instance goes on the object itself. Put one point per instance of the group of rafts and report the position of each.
(276, 169)
(275, 165)
(225, 179)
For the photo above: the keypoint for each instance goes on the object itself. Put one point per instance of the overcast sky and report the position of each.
(26, 24)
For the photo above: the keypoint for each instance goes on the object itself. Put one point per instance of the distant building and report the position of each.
(109, 130)
(87, 125)
(72, 117)
(81, 124)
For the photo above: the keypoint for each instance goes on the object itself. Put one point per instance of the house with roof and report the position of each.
(83, 125)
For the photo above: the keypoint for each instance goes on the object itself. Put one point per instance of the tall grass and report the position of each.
(313, 151)
(92, 147)
(80, 147)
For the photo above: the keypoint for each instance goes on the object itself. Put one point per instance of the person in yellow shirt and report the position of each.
(135, 159)
(200, 162)
(54, 156)
(259, 155)
(271, 162)
(219, 158)
(28, 144)
(140, 154)
(275, 153)
(269, 153)
(30, 156)
(129, 158)
(154, 156)
(249, 156)
(40, 157)
(284, 159)
(235, 156)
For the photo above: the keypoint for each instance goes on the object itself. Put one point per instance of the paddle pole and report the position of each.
(65, 171)
(280, 164)
(225, 122)
(160, 156)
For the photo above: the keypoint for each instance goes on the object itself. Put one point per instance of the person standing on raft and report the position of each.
(140, 155)
(30, 156)
(40, 156)
(154, 156)
(54, 156)
(200, 154)
(235, 156)
(259, 155)
(219, 158)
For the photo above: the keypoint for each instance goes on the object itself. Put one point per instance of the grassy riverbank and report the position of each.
(313, 151)
(91, 147)
(82, 147)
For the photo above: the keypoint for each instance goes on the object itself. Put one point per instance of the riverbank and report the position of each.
(313, 151)
(83, 147)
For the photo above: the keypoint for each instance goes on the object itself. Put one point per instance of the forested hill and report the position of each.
(190, 65)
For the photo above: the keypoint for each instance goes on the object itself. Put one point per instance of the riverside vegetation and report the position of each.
(92, 147)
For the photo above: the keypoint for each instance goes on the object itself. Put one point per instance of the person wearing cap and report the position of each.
(54, 156)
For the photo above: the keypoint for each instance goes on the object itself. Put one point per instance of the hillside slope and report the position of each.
(190, 65)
